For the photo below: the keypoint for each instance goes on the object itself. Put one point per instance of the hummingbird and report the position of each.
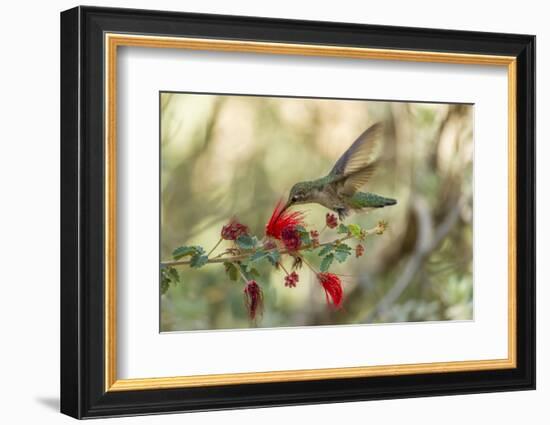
(339, 189)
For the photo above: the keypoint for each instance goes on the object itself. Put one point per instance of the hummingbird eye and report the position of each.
(294, 198)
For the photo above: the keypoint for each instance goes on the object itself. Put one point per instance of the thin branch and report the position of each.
(242, 275)
(215, 246)
(310, 266)
(221, 259)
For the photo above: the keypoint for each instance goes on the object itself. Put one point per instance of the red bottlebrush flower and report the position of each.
(332, 221)
(281, 219)
(232, 230)
(291, 280)
(253, 299)
(333, 289)
(359, 250)
(291, 238)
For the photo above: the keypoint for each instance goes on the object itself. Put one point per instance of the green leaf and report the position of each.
(164, 285)
(274, 257)
(355, 230)
(306, 239)
(246, 242)
(342, 251)
(257, 256)
(342, 247)
(164, 280)
(327, 261)
(300, 229)
(167, 274)
(184, 251)
(341, 256)
(304, 234)
(198, 260)
(231, 271)
(253, 272)
(342, 228)
(326, 249)
(174, 275)
(246, 271)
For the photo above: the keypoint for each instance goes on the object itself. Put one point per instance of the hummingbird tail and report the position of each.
(386, 202)
(371, 200)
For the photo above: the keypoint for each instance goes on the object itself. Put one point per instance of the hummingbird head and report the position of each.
(299, 194)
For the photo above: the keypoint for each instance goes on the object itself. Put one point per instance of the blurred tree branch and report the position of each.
(428, 239)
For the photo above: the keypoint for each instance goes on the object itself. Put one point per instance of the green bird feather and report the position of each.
(339, 190)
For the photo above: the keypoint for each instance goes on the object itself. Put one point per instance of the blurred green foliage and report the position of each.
(236, 156)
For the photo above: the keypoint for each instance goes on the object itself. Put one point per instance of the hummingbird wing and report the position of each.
(357, 180)
(357, 164)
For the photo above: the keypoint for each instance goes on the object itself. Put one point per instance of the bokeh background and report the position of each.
(225, 156)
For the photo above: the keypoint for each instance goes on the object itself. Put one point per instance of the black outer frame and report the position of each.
(82, 217)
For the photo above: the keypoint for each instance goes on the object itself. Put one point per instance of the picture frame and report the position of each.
(91, 38)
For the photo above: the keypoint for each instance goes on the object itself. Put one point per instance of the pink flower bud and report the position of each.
(331, 220)
(232, 230)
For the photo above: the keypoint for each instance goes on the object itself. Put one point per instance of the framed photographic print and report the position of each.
(261, 212)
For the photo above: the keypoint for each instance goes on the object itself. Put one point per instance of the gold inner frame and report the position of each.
(113, 41)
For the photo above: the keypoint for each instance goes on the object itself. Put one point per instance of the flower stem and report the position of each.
(242, 274)
(283, 267)
(215, 246)
(309, 265)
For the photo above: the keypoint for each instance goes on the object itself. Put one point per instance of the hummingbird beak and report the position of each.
(287, 205)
